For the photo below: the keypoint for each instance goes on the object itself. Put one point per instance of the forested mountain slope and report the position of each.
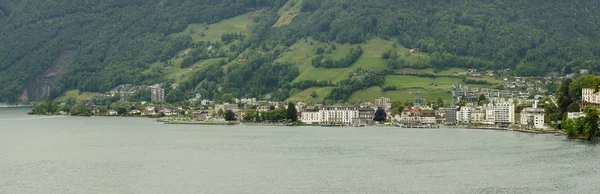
(120, 42)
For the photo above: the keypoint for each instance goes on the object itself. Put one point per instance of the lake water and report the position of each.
(130, 155)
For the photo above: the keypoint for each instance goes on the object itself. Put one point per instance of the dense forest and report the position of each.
(117, 40)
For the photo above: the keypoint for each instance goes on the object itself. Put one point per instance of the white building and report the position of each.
(588, 95)
(500, 113)
(251, 101)
(338, 114)
(310, 117)
(574, 115)
(532, 118)
(490, 114)
(464, 115)
(343, 115)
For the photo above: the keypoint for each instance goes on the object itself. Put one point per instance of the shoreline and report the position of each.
(176, 122)
(199, 123)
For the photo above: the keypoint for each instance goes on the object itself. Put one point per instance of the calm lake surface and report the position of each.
(130, 155)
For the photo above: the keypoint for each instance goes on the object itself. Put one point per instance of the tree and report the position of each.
(319, 51)
(380, 115)
(80, 110)
(220, 112)
(227, 98)
(71, 101)
(574, 127)
(591, 122)
(292, 113)
(573, 107)
(250, 116)
(121, 111)
(563, 97)
(141, 95)
(397, 107)
(65, 108)
(551, 111)
(230, 116)
(47, 108)
(440, 102)
(585, 81)
(482, 100)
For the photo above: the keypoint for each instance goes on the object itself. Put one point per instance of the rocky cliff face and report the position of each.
(39, 88)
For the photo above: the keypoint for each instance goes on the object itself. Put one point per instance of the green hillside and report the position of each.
(266, 48)
(213, 32)
(371, 59)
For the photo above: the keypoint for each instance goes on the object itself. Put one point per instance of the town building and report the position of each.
(311, 117)
(385, 103)
(158, 95)
(588, 96)
(365, 116)
(532, 118)
(250, 101)
(440, 116)
(124, 91)
(574, 115)
(331, 115)
(225, 107)
(463, 115)
(366, 113)
(450, 116)
(427, 117)
(478, 115)
(500, 113)
(335, 115)
(409, 115)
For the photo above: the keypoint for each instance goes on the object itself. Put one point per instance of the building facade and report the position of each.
(478, 115)
(158, 95)
(335, 115)
(385, 103)
(427, 117)
(588, 96)
(225, 107)
(409, 115)
(499, 113)
(463, 115)
(505, 113)
(311, 117)
(450, 115)
(331, 115)
(532, 118)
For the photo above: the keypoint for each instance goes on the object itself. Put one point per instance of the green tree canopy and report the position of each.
(292, 113)
(380, 115)
(230, 116)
